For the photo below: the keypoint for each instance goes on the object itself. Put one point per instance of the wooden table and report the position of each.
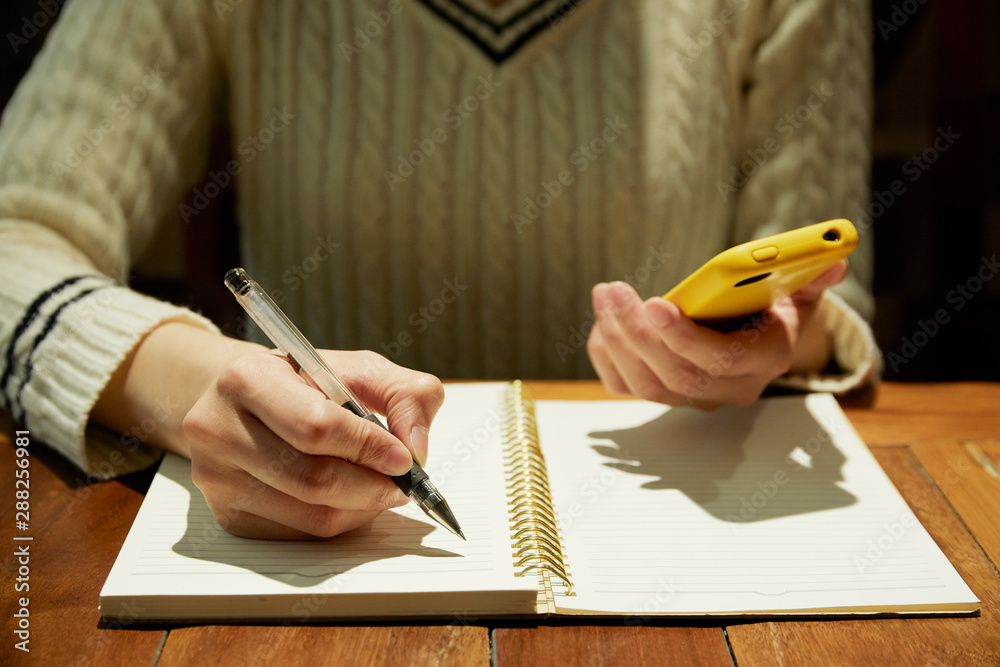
(927, 438)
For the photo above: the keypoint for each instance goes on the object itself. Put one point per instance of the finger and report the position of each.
(640, 379)
(320, 480)
(316, 480)
(685, 383)
(814, 290)
(692, 396)
(605, 369)
(267, 387)
(609, 373)
(409, 399)
(728, 367)
(675, 373)
(259, 511)
(410, 405)
(760, 346)
(651, 325)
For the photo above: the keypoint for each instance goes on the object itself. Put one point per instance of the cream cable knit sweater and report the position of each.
(441, 181)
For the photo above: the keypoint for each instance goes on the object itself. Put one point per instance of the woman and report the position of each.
(470, 188)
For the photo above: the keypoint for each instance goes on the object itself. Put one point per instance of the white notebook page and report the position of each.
(176, 552)
(775, 507)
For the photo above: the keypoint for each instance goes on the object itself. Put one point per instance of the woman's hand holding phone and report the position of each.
(652, 350)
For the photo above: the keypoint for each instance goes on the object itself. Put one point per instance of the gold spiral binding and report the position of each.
(535, 536)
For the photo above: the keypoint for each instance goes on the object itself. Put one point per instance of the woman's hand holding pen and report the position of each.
(273, 457)
(651, 350)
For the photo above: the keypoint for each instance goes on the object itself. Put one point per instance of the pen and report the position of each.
(287, 338)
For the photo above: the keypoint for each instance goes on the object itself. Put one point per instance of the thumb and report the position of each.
(411, 411)
(408, 399)
(814, 290)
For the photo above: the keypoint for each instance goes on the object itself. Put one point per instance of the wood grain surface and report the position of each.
(76, 533)
(939, 444)
(343, 646)
(585, 645)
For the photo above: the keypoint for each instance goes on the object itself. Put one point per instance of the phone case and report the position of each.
(746, 278)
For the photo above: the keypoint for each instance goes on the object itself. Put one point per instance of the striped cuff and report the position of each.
(61, 355)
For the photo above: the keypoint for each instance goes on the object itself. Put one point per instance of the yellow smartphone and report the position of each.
(747, 278)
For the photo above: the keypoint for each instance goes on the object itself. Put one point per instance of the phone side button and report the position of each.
(765, 254)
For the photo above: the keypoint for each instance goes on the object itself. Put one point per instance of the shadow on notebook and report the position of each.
(303, 563)
(732, 464)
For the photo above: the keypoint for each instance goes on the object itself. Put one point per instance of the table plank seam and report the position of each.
(922, 471)
(159, 649)
(729, 646)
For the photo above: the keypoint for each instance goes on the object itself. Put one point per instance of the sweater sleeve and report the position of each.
(806, 153)
(98, 145)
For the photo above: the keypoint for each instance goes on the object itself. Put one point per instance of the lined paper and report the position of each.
(402, 563)
(778, 507)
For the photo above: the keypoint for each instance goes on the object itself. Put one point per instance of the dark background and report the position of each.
(937, 68)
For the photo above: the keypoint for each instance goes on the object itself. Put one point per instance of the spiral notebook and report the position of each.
(624, 508)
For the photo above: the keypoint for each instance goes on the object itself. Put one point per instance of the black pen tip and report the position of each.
(441, 513)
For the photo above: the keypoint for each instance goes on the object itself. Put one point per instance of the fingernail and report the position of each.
(660, 315)
(397, 460)
(619, 294)
(600, 296)
(418, 440)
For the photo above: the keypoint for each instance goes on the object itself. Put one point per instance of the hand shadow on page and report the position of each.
(736, 464)
(302, 563)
